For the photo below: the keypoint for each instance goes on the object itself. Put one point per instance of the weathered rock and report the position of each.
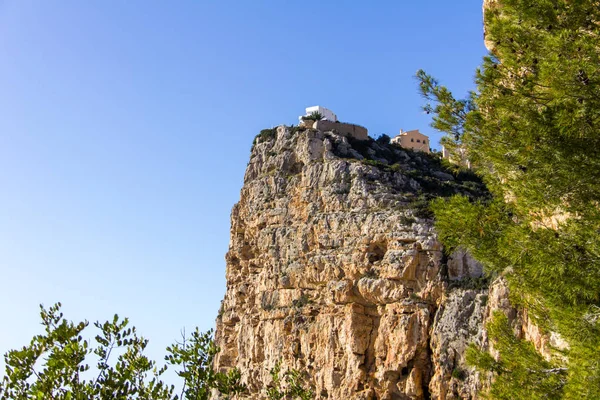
(458, 323)
(334, 269)
(461, 265)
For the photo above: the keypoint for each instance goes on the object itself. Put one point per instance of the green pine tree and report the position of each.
(532, 131)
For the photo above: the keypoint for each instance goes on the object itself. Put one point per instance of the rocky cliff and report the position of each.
(334, 269)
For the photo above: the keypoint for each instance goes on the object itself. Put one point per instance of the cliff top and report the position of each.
(334, 269)
(429, 175)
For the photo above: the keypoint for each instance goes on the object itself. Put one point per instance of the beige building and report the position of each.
(412, 140)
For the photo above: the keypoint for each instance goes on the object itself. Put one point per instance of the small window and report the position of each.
(424, 141)
(418, 141)
(412, 140)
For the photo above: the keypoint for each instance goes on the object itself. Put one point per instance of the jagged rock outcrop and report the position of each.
(334, 269)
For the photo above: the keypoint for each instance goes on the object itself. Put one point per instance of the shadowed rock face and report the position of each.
(334, 269)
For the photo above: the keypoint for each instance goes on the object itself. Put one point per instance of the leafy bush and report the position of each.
(55, 364)
(314, 116)
(375, 163)
(383, 139)
(295, 129)
(195, 356)
(292, 388)
(264, 136)
(421, 207)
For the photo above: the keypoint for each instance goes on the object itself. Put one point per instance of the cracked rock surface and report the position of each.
(334, 269)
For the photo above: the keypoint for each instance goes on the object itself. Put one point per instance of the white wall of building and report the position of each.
(325, 112)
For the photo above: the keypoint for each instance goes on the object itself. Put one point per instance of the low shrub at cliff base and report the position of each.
(290, 386)
(56, 365)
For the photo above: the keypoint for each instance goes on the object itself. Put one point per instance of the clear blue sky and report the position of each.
(125, 129)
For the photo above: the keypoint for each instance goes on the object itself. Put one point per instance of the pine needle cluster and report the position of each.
(532, 132)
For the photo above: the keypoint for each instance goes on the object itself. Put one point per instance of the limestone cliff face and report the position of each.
(334, 269)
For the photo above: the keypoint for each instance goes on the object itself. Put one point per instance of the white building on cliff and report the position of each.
(325, 113)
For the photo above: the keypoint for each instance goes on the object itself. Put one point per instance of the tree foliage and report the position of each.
(532, 132)
(521, 372)
(195, 356)
(55, 364)
(314, 116)
(383, 139)
(289, 386)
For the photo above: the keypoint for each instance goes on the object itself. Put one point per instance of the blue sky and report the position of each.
(125, 129)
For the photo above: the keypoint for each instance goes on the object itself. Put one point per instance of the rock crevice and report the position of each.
(334, 269)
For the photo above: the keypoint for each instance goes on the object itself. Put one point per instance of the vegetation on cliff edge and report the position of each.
(532, 132)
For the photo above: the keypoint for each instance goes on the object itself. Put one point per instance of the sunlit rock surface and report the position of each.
(334, 269)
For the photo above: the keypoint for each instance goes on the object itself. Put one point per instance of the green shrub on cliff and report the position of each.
(264, 136)
(383, 139)
(314, 116)
(532, 133)
(289, 386)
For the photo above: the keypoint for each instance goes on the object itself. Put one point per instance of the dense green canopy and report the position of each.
(532, 131)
